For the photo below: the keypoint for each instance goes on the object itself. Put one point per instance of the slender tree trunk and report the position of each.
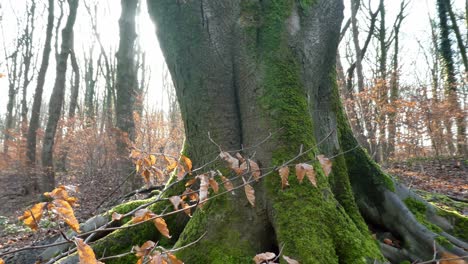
(36, 108)
(75, 88)
(126, 86)
(56, 99)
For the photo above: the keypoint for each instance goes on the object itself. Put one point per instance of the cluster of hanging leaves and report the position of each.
(60, 204)
(150, 253)
(144, 215)
(149, 166)
(271, 258)
(85, 252)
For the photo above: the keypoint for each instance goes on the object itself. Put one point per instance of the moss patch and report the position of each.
(459, 222)
(418, 209)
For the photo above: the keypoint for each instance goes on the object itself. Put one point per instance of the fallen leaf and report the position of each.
(290, 260)
(85, 253)
(284, 174)
(249, 192)
(32, 216)
(175, 200)
(326, 164)
(264, 257)
(214, 185)
(227, 183)
(116, 216)
(161, 225)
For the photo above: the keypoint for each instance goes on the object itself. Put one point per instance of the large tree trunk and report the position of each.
(56, 99)
(36, 108)
(244, 69)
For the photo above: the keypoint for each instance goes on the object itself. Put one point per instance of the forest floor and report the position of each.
(443, 182)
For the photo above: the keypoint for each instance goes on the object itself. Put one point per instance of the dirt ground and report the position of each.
(448, 176)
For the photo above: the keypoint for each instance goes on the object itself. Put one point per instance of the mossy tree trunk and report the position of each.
(243, 69)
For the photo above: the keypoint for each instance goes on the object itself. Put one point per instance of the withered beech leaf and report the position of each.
(256, 173)
(190, 182)
(290, 260)
(171, 163)
(239, 157)
(204, 183)
(64, 210)
(187, 209)
(300, 172)
(142, 215)
(264, 257)
(85, 253)
(145, 249)
(32, 216)
(116, 216)
(232, 162)
(152, 159)
(227, 183)
(175, 200)
(310, 172)
(214, 185)
(187, 162)
(249, 192)
(161, 225)
(284, 174)
(326, 164)
(1, 260)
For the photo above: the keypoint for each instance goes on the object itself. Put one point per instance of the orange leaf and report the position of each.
(172, 163)
(175, 200)
(284, 173)
(1, 76)
(303, 169)
(290, 260)
(249, 192)
(264, 257)
(61, 193)
(32, 216)
(187, 162)
(85, 253)
(65, 212)
(214, 185)
(227, 183)
(190, 182)
(326, 164)
(142, 215)
(116, 216)
(152, 159)
(174, 259)
(1, 260)
(161, 226)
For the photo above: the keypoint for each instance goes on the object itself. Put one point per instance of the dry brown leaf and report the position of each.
(157, 258)
(187, 209)
(256, 173)
(227, 183)
(239, 157)
(187, 162)
(310, 172)
(142, 215)
(249, 192)
(190, 182)
(65, 212)
(449, 258)
(173, 259)
(300, 172)
(204, 183)
(116, 216)
(264, 257)
(180, 172)
(145, 249)
(290, 260)
(284, 174)
(326, 164)
(232, 162)
(171, 163)
(85, 253)
(214, 185)
(1, 260)
(175, 200)
(32, 216)
(161, 225)
(61, 193)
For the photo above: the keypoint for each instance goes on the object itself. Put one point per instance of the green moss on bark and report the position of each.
(418, 209)
(459, 222)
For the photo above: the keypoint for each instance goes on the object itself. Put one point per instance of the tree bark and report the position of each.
(36, 107)
(56, 99)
